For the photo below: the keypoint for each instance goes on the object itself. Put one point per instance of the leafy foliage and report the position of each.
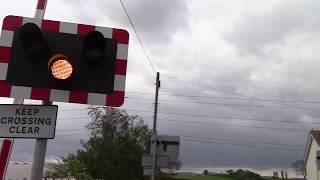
(114, 150)
(243, 175)
(173, 166)
(299, 168)
(205, 172)
(69, 166)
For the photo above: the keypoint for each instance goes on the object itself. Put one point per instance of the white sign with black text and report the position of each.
(28, 121)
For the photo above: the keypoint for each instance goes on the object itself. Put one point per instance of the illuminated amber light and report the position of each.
(60, 67)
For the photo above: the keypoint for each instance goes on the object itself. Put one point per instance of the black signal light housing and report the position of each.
(94, 47)
(33, 41)
(63, 61)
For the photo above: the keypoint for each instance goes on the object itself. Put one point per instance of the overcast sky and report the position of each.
(251, 62)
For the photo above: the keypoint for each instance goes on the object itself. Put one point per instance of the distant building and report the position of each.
(312, 156)
(22, 171)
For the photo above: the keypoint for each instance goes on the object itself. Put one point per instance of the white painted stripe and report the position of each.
(97, 99)
(20, 92)
(107, 32)
(3, 71)
(119, 83)
(69, 28)
(39, 13)
(6, 38)
(36, 21)
(122, 51)
(59, 95)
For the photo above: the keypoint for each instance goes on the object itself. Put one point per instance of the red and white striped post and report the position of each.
(5, 156)
(8, 143)
(39, 154)
(41, 9)
(6, 148)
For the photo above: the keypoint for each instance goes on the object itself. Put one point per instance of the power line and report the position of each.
(229, 104)
(84, 117)
(76, 109)
(197, 90)
(139, 39)
(210, 116)
(241, 140)
(213, 142)
(199, 80)
(220, 139)
(236, 125)
(79, 109)
(234, 118)
(223, 117)
(226, 117)
(232, 89)
(221, 86)
(222, 124)
(218, 124)
(232, 98)
(226, 89)
(70, 130)
(233, 144)
(227, 125)
(239, 118)
(70, 134)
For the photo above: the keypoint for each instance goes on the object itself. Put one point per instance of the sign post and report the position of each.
(41, 144)
(39, 154)
(6, 149)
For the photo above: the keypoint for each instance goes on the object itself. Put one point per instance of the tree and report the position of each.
(173, 166)
(243, 175)
(114, 150)
(230, 171)
(206, 172)
(299, 168)
(68, 166)
(286, 175)
(275, 174)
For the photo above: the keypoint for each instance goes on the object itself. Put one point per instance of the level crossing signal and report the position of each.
(59, 61)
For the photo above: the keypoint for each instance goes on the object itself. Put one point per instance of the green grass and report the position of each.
(200, 178)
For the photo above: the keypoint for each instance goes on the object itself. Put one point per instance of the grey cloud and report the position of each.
(60, 146)
(252, 33)
(215, 155)
(156, 21)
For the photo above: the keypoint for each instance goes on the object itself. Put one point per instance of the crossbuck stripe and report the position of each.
(3, 70)
(6, 38)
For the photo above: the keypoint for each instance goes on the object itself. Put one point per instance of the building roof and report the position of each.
(316, 135)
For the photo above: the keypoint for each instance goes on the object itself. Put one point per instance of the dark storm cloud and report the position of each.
(56, 148)
(156, 21)
(216, 155)
(221, 155)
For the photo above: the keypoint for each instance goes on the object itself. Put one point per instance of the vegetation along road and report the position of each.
(201, 178)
